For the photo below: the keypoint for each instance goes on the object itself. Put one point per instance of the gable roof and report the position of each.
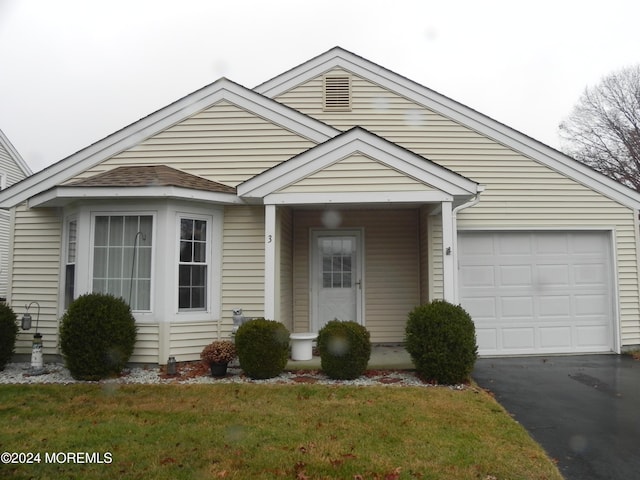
(222, 89)
(13, 153)
(339, 58)
(446, 184)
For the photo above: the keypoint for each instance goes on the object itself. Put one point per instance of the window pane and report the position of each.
(198, 297)
(145, 226)
(186, 254)
(198, 275)
(186, 229)
(130, 230)
(102, 231)
(116, 226)
(200, 230)
(184, 297)
(114, 264)
(72, 241)
(326, 280)
(199, 252)
(69, 284)
(100, 262)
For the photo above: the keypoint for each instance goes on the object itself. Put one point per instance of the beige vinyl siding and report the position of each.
(35, 272)
(187, 339)
(356, 173)
(242, 263)
(5, 219)
(520, 192)
(13, 174)
(284, 266)
(9, 167)
(223, 143)
(147, 344)
(391, 263)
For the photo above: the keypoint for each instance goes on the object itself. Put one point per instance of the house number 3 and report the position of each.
(269, 238)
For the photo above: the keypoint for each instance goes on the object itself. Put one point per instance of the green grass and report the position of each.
(266, 431)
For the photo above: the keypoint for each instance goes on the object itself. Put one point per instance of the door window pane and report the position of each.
(337, 261)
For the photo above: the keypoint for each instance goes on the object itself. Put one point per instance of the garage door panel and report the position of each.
(517, 307)
(516, 275)
(518, 338)
(590, 274)
(554, 306)
(556, 275)
(479, 276)
(555, 338)
(538, 292)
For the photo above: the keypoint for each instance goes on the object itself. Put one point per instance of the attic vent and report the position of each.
(337, 93)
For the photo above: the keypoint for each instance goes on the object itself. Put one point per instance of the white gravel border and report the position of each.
(55, 373)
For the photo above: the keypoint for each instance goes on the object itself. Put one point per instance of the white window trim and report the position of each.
(213, 310)
(209, 256)
(108, 213)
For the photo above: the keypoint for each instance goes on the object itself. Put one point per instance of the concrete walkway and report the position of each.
(382, 357)
(583, 410)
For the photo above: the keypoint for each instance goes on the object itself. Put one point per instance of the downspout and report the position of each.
(454, 214)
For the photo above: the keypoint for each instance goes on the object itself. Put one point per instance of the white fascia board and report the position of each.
(60, 196)
(350, 143)
(534, 149)
(360, 198)
(135, 133)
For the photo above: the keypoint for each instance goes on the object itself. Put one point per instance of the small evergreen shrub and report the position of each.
(262, 347)
(8, 334)
(345, 348)
(441, 339)
(97, 336)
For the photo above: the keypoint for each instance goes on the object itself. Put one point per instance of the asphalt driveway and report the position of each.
(583, 410)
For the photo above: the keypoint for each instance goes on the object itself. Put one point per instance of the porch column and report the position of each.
(270, 262)
(448, 264)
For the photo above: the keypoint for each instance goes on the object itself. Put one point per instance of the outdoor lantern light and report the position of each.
(37, 363)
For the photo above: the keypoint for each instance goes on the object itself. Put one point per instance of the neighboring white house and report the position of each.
(339, 189)
(12, 169)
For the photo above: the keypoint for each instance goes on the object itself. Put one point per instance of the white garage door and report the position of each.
(538, 292)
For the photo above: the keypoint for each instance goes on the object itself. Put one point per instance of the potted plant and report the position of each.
(217, 356)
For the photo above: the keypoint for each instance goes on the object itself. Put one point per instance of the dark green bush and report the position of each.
(262, 347)
(97, 336)
(345, 348)
(441, 339)
(8, 334)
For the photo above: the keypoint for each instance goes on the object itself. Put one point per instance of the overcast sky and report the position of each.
(74, 71)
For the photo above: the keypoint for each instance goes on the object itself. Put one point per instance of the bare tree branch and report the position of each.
(603, 130)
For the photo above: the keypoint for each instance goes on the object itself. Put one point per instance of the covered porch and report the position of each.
(358, 229)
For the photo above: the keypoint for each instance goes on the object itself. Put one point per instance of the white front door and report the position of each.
(336, 283)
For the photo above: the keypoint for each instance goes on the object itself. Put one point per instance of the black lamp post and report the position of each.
(37, 363)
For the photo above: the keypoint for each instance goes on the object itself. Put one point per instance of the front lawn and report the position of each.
(263, 431)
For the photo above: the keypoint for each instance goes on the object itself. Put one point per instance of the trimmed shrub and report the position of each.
(97, 336)
(345, 348)
(262, 347)
(8, 334)
(441, 339)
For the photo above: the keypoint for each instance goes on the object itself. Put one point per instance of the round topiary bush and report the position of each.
(262, 347)
(97, 336)
(441, 339)
(345, 348)
(8, 334)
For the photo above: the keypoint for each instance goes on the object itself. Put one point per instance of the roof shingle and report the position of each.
(151, 176)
